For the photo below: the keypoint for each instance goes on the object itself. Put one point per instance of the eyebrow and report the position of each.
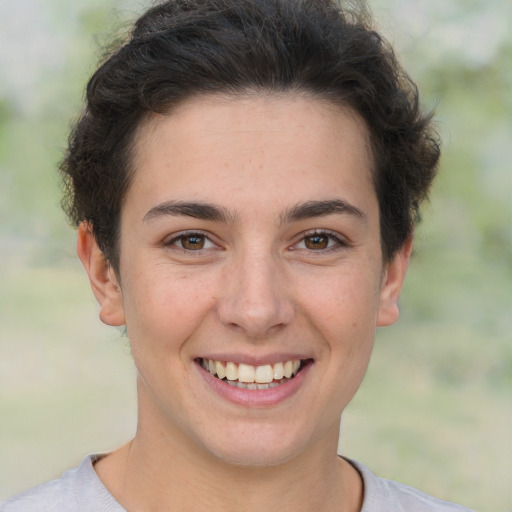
(207, 211)
(204, 211)
(311, 209)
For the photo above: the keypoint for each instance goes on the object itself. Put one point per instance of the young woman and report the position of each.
(244, 178)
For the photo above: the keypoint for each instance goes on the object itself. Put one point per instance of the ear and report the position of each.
(392, 281)
(104, 282)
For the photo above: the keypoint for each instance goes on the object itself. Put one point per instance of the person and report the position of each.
(245, 179)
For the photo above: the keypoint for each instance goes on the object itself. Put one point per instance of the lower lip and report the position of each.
(255, 397)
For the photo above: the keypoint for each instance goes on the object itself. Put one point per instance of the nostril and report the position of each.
(254, 321)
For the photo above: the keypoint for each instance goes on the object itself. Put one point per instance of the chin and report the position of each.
(256, 447)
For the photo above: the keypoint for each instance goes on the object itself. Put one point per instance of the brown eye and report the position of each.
(316, 242)
(192, 242)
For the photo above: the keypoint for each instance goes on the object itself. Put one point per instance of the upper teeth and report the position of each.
(247, 373)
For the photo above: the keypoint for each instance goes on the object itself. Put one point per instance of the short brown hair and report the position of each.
(182, 48)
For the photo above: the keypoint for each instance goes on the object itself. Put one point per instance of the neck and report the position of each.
(168, 471)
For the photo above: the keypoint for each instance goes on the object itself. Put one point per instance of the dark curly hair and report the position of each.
(184, 48)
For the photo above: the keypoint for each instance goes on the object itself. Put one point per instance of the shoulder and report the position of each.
(48, 497)
(77, 490)
(382, 495)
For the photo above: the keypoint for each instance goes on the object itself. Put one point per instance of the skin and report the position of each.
(265, 280)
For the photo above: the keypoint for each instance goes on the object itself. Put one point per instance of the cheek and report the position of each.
(344, 312)
(343, 303)
(164, 310)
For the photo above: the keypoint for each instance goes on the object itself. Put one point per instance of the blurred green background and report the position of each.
(435, 410)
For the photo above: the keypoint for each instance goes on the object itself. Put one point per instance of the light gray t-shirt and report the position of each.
(80, 490)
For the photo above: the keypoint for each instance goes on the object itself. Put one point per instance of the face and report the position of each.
(251, 278)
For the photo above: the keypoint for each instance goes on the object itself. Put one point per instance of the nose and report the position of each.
(256, 298)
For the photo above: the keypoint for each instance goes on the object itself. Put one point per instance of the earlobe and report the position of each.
(104, 283)
(393, 279)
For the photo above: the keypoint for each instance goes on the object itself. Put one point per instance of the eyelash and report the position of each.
(331, 237)
(339, 243)
(172, 243)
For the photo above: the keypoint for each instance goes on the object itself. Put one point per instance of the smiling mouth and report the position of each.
(246, 376)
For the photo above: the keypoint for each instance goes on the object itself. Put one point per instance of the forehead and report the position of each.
(250, 147)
